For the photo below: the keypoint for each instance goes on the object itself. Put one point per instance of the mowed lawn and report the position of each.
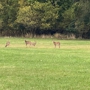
(44, 67)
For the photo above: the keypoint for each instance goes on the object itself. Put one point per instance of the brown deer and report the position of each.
(27, 42)
(56, 44)
(7, 44)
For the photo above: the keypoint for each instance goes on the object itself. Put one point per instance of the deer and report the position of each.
(27, 42)
(56, 44)
(7, 43)
(30, 43)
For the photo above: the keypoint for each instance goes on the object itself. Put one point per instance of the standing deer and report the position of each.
(7, 44)
(27, 42)
(56, 44)
(30, 43)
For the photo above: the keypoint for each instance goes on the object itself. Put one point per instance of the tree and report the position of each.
(9, 13)
(1, 20)
(38, 15)
(69, 19)
(82, 14)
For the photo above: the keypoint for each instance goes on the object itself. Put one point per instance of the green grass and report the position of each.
(44, 67)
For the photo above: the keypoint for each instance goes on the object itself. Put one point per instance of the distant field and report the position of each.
(44, 67)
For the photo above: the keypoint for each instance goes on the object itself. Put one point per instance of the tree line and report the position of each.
(37, 17)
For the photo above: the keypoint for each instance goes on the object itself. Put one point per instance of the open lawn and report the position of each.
(44, 67)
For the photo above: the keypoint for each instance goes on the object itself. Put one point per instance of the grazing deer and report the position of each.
(56, 44)
(27, 42)
(7, 44)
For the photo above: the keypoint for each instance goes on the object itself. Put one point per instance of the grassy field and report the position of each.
(44, 67)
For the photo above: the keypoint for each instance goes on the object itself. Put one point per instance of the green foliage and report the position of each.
(69, 20)
(1, 12)
(42, 15)
(55, 15)
(82, 14)
(9, 12)
(68, 16)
